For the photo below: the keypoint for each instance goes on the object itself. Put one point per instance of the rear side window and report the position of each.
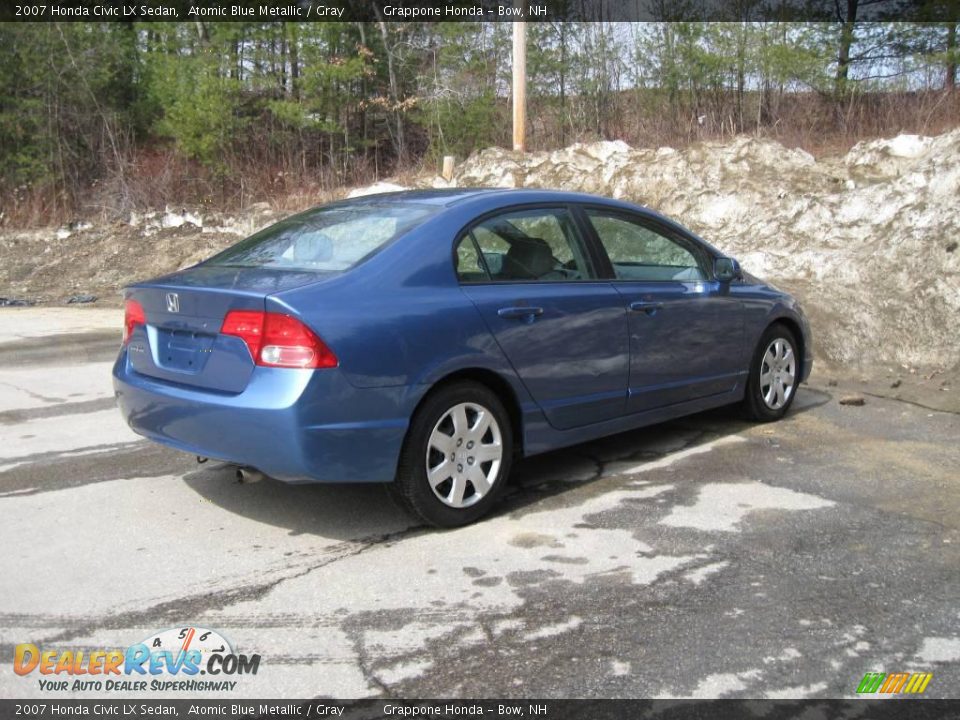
(523, 245)
(329, 239)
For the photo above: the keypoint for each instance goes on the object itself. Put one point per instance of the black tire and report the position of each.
(412, 489)
(755, 407)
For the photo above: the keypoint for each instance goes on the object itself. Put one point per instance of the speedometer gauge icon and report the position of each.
(179, 641)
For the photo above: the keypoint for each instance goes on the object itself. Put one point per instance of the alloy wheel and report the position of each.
(464, 453)
(778, 372)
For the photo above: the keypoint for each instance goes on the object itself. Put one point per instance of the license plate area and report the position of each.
(183, 350)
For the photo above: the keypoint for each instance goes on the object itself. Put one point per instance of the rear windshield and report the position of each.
(329, 239)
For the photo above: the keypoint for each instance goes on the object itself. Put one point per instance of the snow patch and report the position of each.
(723, 506)
(673, 458)
(716, 685)
(548, 631)
(698, 575)
(939, 649)
(403, 671)
(795, 692)
(375, 189)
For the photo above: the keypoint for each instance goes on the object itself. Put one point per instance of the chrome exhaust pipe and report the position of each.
(249, 475)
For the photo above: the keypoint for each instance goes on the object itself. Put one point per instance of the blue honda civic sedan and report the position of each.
(426, 339)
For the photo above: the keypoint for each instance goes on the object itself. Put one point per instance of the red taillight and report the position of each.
(287, 342)
(133, 315)
(277, 340)
(246, 325)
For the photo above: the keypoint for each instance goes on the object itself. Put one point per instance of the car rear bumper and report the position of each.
(292, 425)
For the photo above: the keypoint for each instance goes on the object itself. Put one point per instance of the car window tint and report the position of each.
(638, 252)
(525, 245)
(328, 239)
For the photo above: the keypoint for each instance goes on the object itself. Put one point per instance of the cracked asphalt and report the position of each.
(702, 558)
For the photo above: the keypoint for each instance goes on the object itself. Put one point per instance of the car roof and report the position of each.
(448, 197)
(442, 196)
(483, 199)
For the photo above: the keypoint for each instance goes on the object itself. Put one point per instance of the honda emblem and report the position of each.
(173, 303)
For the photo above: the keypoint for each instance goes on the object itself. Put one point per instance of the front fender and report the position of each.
(764, 305)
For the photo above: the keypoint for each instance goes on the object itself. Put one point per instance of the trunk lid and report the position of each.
(181, 342)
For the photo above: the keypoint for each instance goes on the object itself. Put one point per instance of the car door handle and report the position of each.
(520, 312)
(650, 308)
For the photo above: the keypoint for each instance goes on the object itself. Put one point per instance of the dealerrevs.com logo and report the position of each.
(170, 660)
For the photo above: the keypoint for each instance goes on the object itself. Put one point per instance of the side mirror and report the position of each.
(726, 269)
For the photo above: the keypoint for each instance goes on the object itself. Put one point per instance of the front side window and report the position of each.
(523, 245)
(638, 252)
(329, 239)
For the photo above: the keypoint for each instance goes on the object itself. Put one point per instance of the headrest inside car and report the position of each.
(528, 259)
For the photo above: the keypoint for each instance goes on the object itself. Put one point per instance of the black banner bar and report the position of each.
(380, 709)
(457, 10)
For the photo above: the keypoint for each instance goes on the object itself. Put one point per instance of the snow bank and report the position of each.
(868, 241)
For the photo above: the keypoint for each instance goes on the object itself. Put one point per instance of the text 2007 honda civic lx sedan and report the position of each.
(427, 338)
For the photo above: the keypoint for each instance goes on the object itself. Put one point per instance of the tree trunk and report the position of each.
(846, 41)
(284, 89)
(363, 94)
(763, 104)
(234, 72)
(398, 139)
(563, 83)
(741, 71)
(294, 61)
(950, 81)
(667, 67)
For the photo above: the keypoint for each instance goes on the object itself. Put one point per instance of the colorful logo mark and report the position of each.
(185, 652)
(891, 683)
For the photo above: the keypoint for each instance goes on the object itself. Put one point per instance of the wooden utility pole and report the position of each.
(519, 85)
(447, 172)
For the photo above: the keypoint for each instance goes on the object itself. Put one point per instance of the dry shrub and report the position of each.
(155, 175)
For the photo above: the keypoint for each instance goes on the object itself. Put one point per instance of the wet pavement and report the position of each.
(706, 557)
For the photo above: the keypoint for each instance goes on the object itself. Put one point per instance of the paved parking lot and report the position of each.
(702, 558)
